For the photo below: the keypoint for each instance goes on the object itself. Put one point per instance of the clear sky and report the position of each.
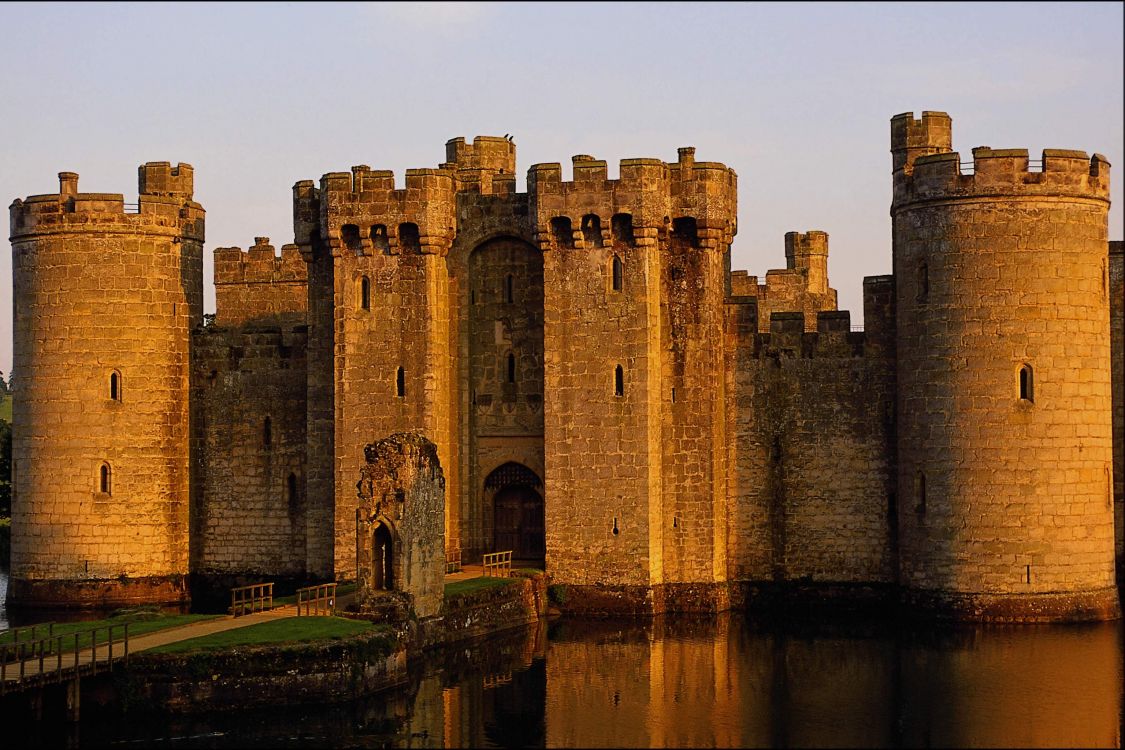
(796, 98)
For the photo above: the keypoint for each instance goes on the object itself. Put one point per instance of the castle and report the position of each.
(605, 394)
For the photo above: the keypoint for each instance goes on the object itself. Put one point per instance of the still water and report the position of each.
(704, 682)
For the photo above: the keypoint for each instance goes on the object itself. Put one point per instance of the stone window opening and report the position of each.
(619, 381)
(592, 230)
(379, 239)
(511, 367)
(673, 394)
(400, 383)
(267, 433)
(923, 282)
(1108, 487)
(686, 228)
(615, 530)
(349, 234)
(509, 289)
(115, 385)
(365, 293)
(920, 491)
(1027, 384)
(105, 479)
(622, 227)
(409, 239)
(617, 274)
(382, 559)
(564, 235)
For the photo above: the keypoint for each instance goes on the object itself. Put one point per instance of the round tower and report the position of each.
(1003, 410)
(105, 297)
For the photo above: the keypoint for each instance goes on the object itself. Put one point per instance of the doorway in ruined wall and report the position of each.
(518, 515)
(382, 559)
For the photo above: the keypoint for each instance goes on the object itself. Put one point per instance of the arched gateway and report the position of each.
(518, 517)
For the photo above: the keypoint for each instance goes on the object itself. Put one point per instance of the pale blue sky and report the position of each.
(795, 97)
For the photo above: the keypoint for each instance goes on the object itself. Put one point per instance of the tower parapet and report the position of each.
(260, 286)
(106, 295)
(646, 199)
(999, 282)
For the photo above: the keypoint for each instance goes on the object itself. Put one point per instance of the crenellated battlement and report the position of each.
(652, 194)
(488, 153)
(833, 338)
(911, 139)
(1003, 172)
(362, 212)
(260, 264)
(164, 207)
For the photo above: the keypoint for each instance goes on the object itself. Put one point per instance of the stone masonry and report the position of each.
(599, 391)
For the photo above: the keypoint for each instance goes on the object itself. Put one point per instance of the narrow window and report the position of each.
(511, 367)
(365, 293)
(1027, 384)
(509, 288)
(619, 381)
(267, 433)
(400, 383)
(105, 479)
(292, 486)
(685, 228)
(920, 490)
(618, 274)
(923, 282)
(115, 385)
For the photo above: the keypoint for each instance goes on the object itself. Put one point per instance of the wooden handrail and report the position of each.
(498, 564)
(256, 597)
(318, 599)
(33, 656)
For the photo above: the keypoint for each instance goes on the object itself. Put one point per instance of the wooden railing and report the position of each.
(498, 564)
(257, 597)
(453, 560)
(317, 600)
(60, 657)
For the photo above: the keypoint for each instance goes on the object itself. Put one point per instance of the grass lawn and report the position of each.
(139, 624)
(288, 630)
(469, 585)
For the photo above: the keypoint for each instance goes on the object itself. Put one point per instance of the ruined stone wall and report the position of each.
(1003, 495)
(259, 287)
(394, 242)
(249, 401)
(104, 291)
(812, 482)
(1116, 291)
(401, 487)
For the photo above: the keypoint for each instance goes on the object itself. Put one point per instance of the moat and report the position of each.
(720, 681)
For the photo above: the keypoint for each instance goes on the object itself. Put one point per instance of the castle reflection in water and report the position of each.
(718, 682)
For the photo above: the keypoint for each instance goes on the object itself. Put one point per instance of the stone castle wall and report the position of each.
(812, 483)
(1001, 494)
(1116, 273)
(249, 399)
(105, 298)
(802, 286)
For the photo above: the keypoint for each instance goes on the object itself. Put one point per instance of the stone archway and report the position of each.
(518, 512)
